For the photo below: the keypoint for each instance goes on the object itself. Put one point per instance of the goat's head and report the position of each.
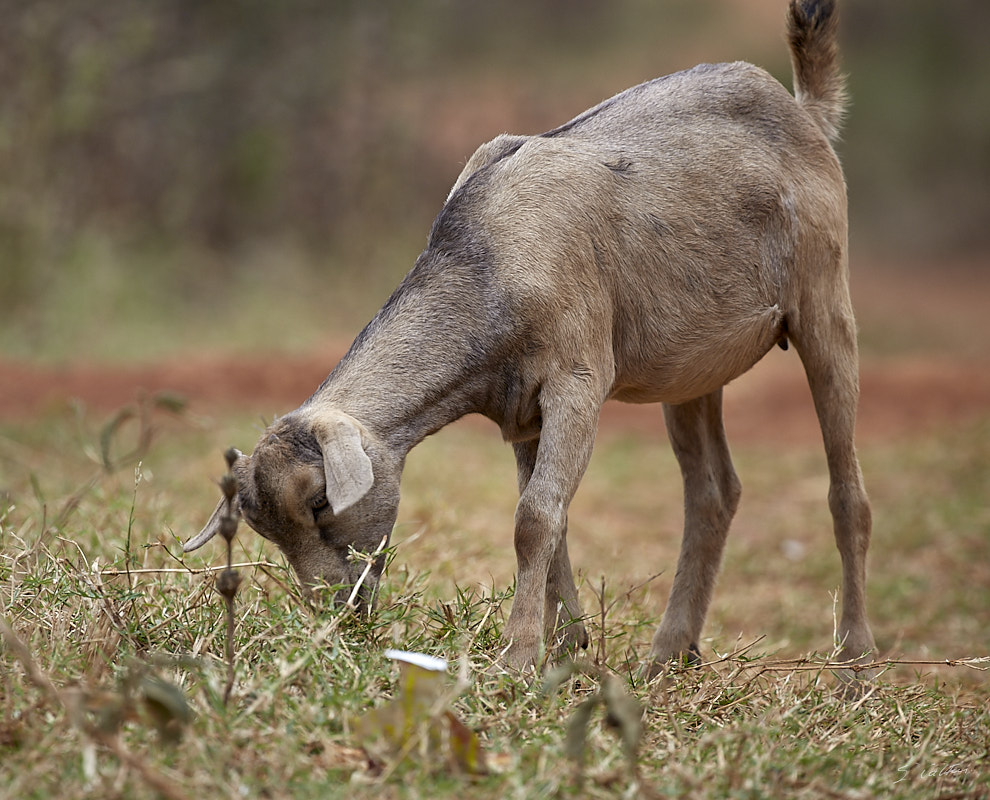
(317, 485)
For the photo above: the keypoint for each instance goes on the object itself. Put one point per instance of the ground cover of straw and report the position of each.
(97, 598)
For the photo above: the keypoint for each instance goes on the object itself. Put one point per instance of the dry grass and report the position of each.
(102, 609)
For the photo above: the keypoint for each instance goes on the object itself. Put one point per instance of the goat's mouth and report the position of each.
(358, 592)
(360, 596)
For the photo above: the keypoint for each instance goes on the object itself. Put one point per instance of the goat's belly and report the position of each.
(672, 393)
(668, 369)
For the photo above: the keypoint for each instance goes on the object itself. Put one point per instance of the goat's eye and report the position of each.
(320, 504)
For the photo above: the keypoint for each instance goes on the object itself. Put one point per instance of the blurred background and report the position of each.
(246, 175)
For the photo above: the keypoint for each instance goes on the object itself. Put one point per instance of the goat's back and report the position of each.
(663, 223)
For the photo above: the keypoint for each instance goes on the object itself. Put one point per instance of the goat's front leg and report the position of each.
(566, 441)
(563, 629)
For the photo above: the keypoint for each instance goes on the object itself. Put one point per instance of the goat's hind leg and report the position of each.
(826, 343)
(711, 495)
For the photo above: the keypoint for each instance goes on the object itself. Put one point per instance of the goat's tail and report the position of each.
(818, 85)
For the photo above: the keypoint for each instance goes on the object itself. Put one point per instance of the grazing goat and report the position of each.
(652, 249)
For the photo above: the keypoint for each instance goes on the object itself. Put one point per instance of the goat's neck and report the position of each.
(418, 365)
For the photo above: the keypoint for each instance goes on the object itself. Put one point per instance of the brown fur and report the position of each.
(650, 250)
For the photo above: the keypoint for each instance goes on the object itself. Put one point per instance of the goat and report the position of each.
(652, 249)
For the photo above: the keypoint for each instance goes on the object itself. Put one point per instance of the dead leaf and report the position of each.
(466, 752)
(622, 712)
(166, 707)
(420, 717)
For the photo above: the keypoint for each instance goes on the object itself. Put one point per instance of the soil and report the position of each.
(924, 387)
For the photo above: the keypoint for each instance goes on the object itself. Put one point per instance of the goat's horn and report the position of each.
(210, 530)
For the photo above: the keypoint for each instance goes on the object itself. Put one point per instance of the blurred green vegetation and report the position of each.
(917, 149)
(176, 170)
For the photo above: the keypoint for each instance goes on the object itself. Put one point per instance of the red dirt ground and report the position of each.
(921, 391)
(770, 403)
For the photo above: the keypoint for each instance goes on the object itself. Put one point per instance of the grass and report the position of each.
(185, 298)
(122, 635)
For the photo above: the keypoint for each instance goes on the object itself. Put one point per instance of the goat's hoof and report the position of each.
(568, 640)
(856, 679)
(659, 664)
(519, 658)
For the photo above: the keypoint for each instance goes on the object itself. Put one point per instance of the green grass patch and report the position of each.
(109, 612)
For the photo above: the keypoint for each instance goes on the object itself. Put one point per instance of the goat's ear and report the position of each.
(348, 469)
(210, 530)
